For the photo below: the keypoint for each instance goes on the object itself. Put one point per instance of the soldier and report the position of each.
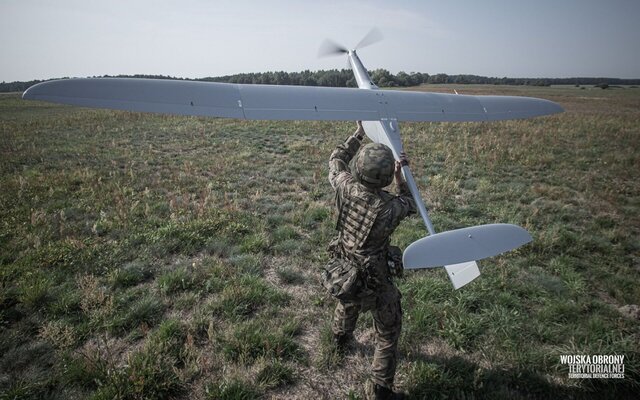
(367, 217)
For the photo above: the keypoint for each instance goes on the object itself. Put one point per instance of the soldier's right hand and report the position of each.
(399, 164)
(403, 159)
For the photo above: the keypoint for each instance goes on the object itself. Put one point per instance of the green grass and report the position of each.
(290, 276)
(134, 310)
(150, 373)
(330, 357)
(250, 341)
(233, 390)
(275, 374)
(247, 295)
(175, 281)
(130, 274)
(149, 256)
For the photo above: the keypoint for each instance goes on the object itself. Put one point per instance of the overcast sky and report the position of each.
(197, 38)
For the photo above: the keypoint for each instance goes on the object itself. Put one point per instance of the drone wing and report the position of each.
(272, 102)
(424, 106)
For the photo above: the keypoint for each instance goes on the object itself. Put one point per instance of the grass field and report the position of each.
(146, 256)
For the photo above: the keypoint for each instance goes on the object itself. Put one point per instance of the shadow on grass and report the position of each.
(435, 377)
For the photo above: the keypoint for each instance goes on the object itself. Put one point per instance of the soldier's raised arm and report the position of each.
(339, 160)
(406, 205)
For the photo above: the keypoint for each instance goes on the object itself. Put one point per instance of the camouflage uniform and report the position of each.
(367, 218)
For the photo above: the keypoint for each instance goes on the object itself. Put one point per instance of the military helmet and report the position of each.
(374, 165)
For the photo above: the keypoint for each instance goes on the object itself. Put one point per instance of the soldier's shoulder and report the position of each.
(394, 202)
(343, 178)
(386, 197)
(358, 192)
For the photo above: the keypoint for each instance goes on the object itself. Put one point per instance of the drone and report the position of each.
(381, 112)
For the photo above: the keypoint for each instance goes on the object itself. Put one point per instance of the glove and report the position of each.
(359, 133)
(394, 262)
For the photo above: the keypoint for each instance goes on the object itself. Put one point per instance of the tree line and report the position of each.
(381, 77)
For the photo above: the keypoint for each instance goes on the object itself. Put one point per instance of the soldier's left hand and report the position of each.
(359, 133)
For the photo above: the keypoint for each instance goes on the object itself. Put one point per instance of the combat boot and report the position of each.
(377, 392)
(343, 342)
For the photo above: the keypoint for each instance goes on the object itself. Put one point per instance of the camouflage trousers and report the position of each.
(387, 321)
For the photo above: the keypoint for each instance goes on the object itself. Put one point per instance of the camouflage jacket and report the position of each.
(366, 217)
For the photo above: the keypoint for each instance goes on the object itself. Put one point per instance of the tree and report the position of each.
(382, 77)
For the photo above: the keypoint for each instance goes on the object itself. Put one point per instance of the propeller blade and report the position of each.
(330, 48)
(370, 38)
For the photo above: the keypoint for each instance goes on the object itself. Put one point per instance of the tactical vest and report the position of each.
(358, 209)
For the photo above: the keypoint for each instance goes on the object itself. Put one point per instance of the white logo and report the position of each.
(598, 366)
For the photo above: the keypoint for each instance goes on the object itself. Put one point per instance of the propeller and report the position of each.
(330, 48)
(374, 36)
